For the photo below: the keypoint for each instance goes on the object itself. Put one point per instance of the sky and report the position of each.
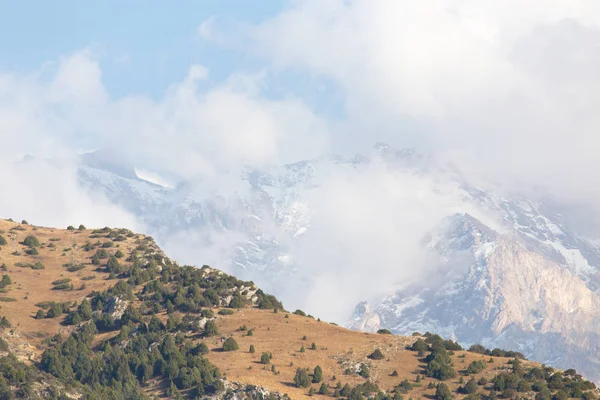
(507, 92)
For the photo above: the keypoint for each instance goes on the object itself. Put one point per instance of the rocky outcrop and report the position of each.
(504, 294)
(116, 307)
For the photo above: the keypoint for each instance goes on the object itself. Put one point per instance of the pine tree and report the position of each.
(323, 389)
(317, 374)
(210, 329)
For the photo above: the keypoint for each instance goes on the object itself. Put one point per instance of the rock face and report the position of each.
(506, 293)
(508, 271)
(116, 307)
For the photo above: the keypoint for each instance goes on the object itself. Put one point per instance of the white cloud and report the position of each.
(508, 89)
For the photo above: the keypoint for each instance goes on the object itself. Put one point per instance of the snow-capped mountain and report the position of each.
(501, 271)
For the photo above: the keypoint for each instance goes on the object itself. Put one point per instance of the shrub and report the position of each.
(252, 349)
(70, 228)
(31, 241)
(420, 345)
(394, 373)
(384, 332)
(225, 311)
(210, 329)
(3, 241)
(300, 312)
(477, 348)
(230, 344)
(442, 392)
(32, 251)
(313, 346)
(376, 355)
(323, 390)
(265, 358)
(81, 227)
(301, 379)
(476, 367)
(470, 387)
(236, 302)
(119, 254)
(5, 281)
(364, 371)
(38, 265)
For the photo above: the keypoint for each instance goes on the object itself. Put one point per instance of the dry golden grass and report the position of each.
(337, 349)
(30, 287)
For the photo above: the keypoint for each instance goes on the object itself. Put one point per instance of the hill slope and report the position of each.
(277, 226)
(105, 314)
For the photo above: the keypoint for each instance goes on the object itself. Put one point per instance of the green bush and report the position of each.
(317, 374)
(301, 379)
(210, 329)
(442, 392)
(225, 311)
(3, 241)
(5, 281)
(31, 241)
(476, 367)
(376, 355)
(265, 358)
(384, 332)
(230, 344)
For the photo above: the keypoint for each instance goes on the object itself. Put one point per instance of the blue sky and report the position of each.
(142, 45)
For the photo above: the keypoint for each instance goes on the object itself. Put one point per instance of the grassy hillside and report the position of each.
(105, 314)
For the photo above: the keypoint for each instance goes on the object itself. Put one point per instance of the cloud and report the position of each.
(507, 90)
(47, 194)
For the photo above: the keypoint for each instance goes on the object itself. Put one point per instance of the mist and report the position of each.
(505, 92)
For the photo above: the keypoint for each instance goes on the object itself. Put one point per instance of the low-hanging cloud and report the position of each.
(507, 91)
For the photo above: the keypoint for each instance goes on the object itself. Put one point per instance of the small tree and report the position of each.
(317, 374)
(210, 329)
(5, 281)
(470, 387)
(442, 392)
(230, 344)
(265, 358)
(376, 355)
(364, 371)
(323, 389)
(313, 347)
(81, 227)
(31, 241)
(252, 349)
(301, 379)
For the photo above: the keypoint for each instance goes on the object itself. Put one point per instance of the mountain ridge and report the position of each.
(197, 324)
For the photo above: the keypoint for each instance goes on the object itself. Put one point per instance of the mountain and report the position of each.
(502, 270)
(105, 314)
